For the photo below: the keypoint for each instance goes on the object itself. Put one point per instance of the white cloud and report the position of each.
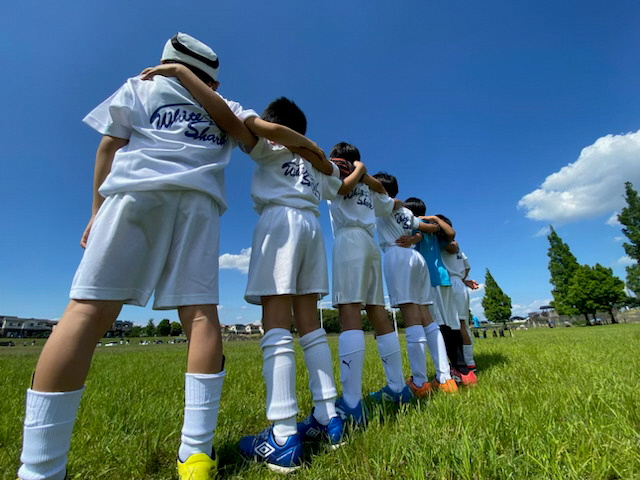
(626, 260)
(592, 185)
(613, 220)
(618, 239)
(524, 310)
(238, 262)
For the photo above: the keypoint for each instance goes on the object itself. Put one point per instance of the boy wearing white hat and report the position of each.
(158, 194)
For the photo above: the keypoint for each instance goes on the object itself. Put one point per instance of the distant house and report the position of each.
(16, 327)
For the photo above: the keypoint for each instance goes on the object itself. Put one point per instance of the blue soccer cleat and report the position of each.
(386, 394)
(264, 448)
(310, 430)
(356, 415)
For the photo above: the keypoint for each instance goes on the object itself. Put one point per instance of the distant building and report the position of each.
(16, 327)
(242, 329)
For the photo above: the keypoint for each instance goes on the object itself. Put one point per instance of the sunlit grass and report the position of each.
(551, 404)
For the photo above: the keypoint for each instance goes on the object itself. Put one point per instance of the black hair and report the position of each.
(345, 150)
(284, 112)
(444, 219)
(389, 183)
(417, 206)
(205, 77)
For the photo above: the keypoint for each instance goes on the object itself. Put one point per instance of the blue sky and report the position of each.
(505, 116)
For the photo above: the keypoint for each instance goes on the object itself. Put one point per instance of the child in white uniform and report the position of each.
(357, 283)
(287, 275)
(158, 193)
(407, 276)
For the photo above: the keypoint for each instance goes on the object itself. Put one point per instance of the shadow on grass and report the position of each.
(486, 361)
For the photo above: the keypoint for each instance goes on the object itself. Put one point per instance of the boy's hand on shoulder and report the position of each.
(166, 70)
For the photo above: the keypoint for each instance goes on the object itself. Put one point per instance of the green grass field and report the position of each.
(551, 404)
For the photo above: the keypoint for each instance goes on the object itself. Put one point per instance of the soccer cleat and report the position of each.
(356, 415)
(198, 466)
(264, 448)
(386, 394)
(447, 387)
(310, 430)
(473, 368)
(419, 392)
(466, 380)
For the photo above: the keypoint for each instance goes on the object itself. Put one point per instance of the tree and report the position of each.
(496, 304)
(594, 289)
(164, 328)
(150, 329)
(136, 331)
(630, 218)
(562, 266)
(176, 329)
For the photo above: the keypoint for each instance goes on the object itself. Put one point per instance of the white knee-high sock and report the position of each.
(438, 352)
(201, 406)
(279, 370)
(389, 351)
(48, 425)
(416, 350)
(351, 352)
(317, 357)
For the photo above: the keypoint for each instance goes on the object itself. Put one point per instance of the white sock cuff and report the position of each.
(275, 337)
(431, 328)
(415, 334)
(313, 338)
(202, 388)
(350, 342)
(388, 343)
(46, 408)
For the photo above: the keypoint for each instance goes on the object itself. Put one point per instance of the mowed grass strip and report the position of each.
(551, 404)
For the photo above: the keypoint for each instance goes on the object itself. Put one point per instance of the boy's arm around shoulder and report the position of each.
(283, 136)
(447, 230)
(104, 159)
(374, 184)
(319, 162)
(210, 100)
(350, 182)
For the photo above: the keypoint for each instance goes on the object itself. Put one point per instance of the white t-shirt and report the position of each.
(456, 263)
(173, 142)
(283, 178)
(359, 209)
(390, 227)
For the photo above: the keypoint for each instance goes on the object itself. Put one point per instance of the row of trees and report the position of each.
(165, 328)
(584, 289)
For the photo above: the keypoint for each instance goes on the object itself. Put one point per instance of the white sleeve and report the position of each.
(330, 183)
(113, 116)
(382, 204)
(238, 111)
(415, 222)
(465, 261)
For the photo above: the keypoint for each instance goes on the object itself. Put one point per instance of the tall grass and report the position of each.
(551, 404)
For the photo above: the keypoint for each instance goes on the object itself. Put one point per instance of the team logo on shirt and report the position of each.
(402, 219)
(197, 125)
(293, 169)
(363, 196)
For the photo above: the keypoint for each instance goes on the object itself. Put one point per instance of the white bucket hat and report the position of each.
(186, 49)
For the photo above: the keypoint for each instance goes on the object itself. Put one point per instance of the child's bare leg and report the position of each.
(53, 400)
(416, 342)
(317, 357)
(202, 328)
(65, 359)
(388, 346)
(351, 353)
(203, 380)
(279, 368)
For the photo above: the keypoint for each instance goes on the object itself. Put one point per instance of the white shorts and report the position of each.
(356, 268)
(461, 296)
(167, 241)
(407, 277)
(450, 316)
(287, 255)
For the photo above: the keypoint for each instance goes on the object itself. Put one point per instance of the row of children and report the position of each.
(158, 194)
